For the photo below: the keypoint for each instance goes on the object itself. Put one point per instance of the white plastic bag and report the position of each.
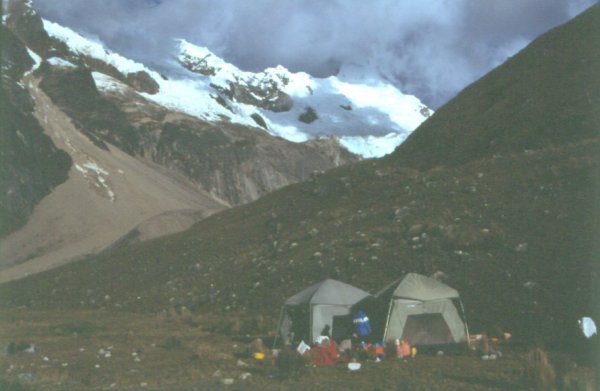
(303, 348)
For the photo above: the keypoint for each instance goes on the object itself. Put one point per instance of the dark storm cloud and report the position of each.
(430, 48)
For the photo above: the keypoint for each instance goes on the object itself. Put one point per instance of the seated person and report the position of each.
(325, 353)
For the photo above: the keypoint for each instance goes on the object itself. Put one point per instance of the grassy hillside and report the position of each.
(547, 95)
(503, 201)
(514, 235)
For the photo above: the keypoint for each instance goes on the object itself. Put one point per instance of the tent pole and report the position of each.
(310, 323)
(462, 308)
(387, 320)
(278, 327)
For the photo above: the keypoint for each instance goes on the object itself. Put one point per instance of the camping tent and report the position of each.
(306, 314)
(424, 311)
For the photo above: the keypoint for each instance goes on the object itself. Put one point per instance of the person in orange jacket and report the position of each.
(403, 349)
(379, 350)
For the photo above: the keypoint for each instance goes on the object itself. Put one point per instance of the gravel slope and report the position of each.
(107, 195)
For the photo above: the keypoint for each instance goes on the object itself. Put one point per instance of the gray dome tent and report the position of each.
(306, 314)
(423, 311)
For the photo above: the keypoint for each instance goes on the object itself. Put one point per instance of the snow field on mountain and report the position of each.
(403, 110)
(370, 118)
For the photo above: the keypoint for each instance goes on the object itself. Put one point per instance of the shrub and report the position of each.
(222, 326)
(171, 342)
(5, 385)
(17, 347)
(538, 373)
(290, 364)
(83, 327)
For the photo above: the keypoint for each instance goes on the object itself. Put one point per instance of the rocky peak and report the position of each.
(20, 17)
(263, 89)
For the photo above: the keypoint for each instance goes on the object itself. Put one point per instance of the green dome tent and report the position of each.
(423, 311)
(306, 314)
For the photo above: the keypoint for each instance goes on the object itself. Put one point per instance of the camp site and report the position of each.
(411, 334)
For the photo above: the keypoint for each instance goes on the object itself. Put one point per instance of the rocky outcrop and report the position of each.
(139, 81)
(198, 65)
(239, 164)
(26, 24)
(263, 89)
(30, 165)
(264, 95)
(234, 163)
(263, 92)
(142, 82)
(74, 90)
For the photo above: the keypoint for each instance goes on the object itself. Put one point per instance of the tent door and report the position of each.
(322, 315)
(427, 329)
(342, 327)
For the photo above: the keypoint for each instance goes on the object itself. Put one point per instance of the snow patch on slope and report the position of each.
(97, 176)
(372, 146)
(37, 60)
(84, 46)
(403, 110)
(108, 83)
(60, 62)
(195, 98)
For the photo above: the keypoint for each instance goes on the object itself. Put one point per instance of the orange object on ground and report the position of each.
(404, 349)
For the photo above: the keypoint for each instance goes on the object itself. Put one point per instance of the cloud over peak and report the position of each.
(431, 49)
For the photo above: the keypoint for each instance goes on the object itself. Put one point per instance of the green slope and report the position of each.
(547, 95)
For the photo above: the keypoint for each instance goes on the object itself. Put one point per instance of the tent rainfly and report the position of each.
(305, 315)
(423, 311)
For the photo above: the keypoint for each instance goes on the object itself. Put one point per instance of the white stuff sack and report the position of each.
(588, 326)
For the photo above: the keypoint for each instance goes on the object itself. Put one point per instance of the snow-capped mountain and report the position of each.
(369, 118)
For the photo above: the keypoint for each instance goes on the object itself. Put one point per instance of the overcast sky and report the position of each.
(429, 48)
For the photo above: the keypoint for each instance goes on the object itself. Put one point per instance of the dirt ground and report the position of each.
(104, 350)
